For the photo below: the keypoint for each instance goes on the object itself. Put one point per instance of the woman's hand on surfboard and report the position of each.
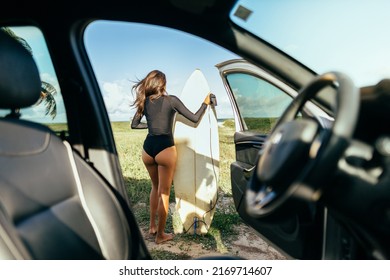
(207, 99)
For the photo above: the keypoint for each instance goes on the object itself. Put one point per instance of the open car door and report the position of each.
(258, 100)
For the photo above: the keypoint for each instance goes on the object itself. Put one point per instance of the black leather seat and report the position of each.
(53, 205)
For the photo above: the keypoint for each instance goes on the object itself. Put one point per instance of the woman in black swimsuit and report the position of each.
(159, 151)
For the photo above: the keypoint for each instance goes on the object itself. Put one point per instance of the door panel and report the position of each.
(297, 233)
(247, 145)
(258, 100)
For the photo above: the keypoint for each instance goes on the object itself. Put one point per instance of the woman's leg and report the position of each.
(166, 161)
(152, 168)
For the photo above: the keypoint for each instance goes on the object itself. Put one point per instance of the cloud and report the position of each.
(224, 107)
(118, 99)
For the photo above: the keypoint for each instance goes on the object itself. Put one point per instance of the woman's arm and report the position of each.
(183, 110)
(136, 122)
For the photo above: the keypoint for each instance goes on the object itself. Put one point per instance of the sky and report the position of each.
(333, 35)
(122, 53)
(349, 36)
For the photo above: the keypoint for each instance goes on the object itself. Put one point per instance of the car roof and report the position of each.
(208, 19)
(205, 18)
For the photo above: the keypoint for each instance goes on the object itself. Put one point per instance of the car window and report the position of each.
(122, 52)
(49, 109)
(260, 103)
(313, 38)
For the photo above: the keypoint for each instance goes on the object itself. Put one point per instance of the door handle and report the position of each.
(248, 171)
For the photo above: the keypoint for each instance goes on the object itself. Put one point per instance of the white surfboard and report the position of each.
(197, 170)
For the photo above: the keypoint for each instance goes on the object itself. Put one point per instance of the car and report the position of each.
(311, 144)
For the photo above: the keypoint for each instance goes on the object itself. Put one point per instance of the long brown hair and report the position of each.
(152, 86)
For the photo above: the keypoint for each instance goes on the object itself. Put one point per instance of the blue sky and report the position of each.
(121, 53)
(332, 35)
(349, 36)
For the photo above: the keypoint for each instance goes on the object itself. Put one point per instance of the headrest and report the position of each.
(20, 84)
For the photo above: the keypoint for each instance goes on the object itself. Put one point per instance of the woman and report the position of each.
(159, 151)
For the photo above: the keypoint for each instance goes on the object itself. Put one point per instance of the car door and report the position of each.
(258, 100)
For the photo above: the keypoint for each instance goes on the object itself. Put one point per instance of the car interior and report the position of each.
(81, 213)
(315, 188)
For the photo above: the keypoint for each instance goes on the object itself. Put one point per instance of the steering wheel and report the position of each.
(298, 156)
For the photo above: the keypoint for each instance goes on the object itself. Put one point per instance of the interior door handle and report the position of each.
(248, 171)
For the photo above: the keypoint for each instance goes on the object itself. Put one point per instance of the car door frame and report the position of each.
(299, 236)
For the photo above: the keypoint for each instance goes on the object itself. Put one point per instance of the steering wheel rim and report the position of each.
(300, 146)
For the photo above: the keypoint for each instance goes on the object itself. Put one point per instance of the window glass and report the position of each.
(260, 103)
(347, 36)
(121, 53)
(50, 109)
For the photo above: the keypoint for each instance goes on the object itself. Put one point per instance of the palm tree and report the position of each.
(47, 95)
(48, 91)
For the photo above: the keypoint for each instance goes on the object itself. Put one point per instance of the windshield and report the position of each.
(348, 36)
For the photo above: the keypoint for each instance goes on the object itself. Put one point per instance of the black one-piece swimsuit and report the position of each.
(159, 115)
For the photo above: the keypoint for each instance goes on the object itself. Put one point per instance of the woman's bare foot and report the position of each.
(163, 237)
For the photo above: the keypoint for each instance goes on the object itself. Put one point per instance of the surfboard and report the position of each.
(197, 170)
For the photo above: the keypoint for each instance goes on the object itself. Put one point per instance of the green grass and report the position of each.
(166, 255)
(261, 125)
(58, 126)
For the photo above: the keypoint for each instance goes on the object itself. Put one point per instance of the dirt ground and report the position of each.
(247, 245)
